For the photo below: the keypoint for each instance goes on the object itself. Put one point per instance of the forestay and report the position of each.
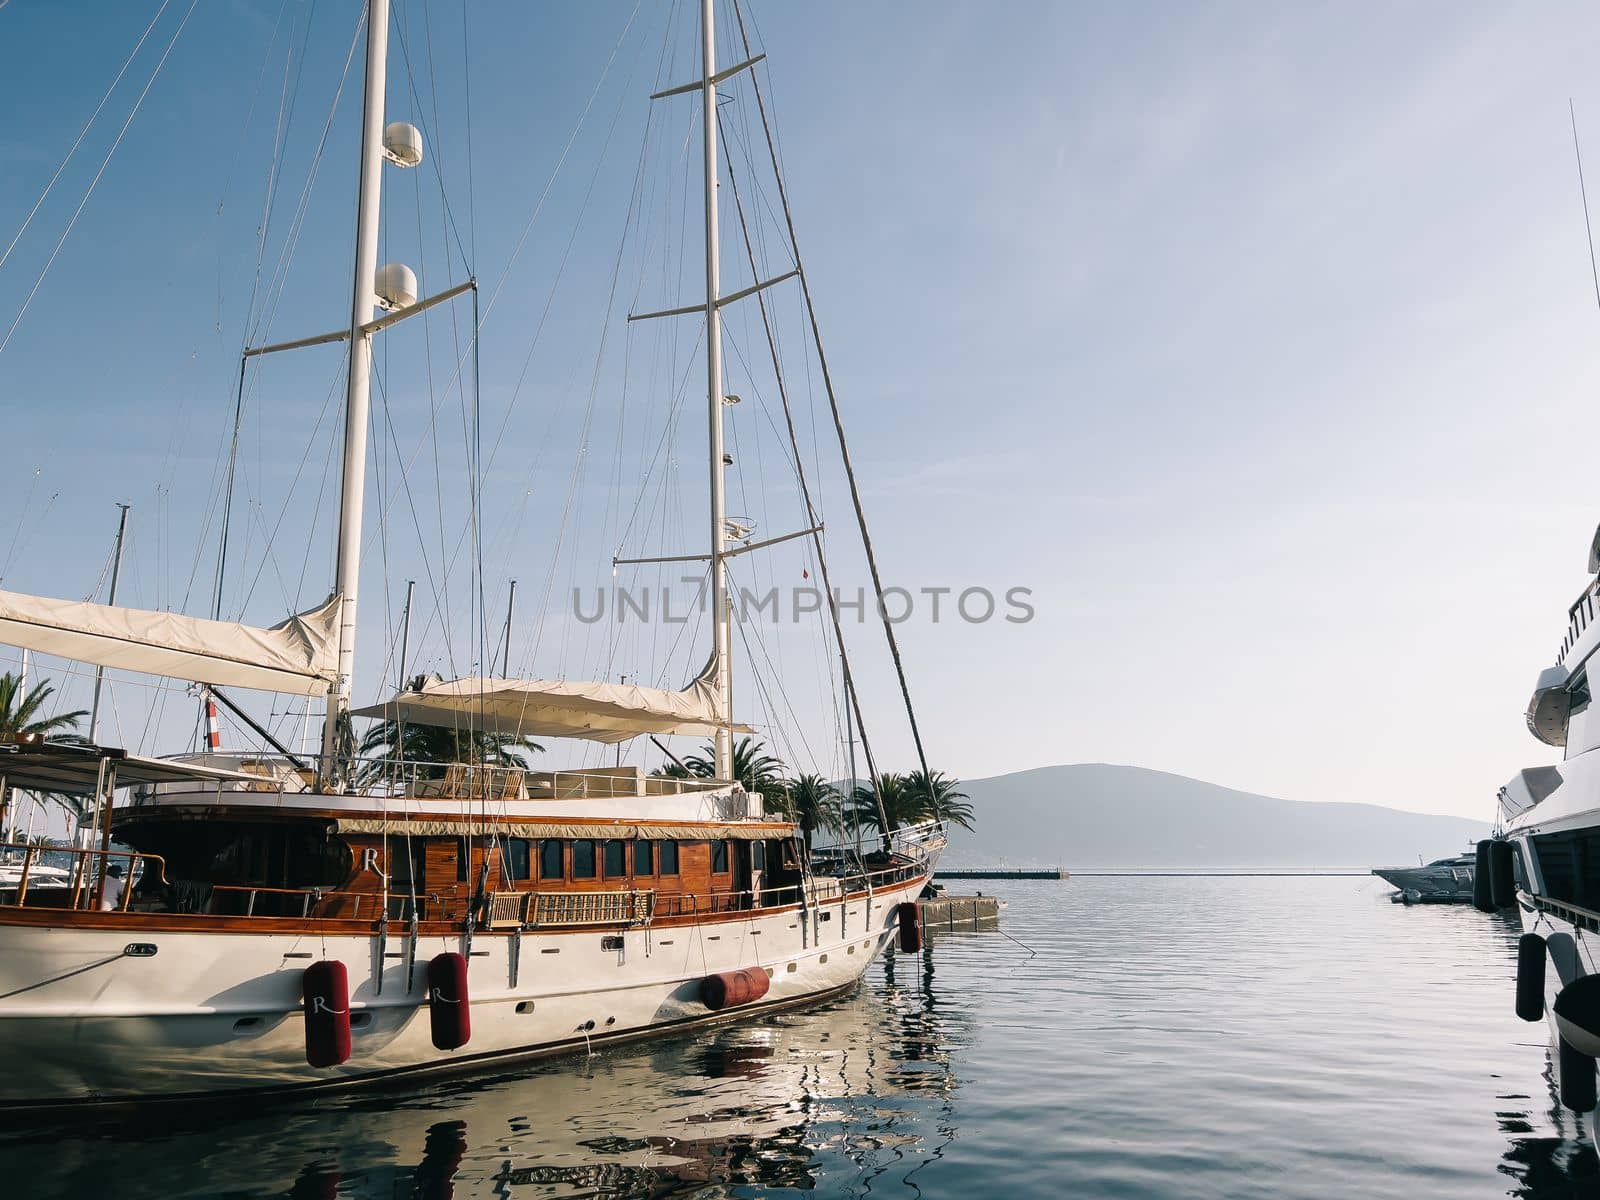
(298, 655)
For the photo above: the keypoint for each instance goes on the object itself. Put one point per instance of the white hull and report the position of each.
(218, 1013)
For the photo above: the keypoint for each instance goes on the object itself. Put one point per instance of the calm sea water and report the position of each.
(1193, 1037)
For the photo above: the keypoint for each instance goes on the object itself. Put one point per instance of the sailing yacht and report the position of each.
(309, 922)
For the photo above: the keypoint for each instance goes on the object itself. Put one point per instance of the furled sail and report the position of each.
(597, 712)
(299, 655)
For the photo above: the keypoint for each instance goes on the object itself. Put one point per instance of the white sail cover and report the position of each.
(299, 655)
(597, 712)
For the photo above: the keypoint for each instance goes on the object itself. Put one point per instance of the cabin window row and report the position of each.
(524, 859)
(1570, 866)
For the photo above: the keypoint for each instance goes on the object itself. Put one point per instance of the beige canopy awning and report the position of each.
(300, 655)
(597, 712)
(74, 770)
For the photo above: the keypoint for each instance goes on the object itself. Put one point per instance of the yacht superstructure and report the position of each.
(1443, 881)
(1545, 857)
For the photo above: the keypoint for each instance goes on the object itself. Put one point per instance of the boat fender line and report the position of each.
(1577, 1013)
(1502, 875)
(1564, 957)
(449, 1013)
(411, 952)
(909, 917)
(326, 988)
(1482, 896)
(1577, 1078)
(733, 988)
(1531, 958)
(381, 951)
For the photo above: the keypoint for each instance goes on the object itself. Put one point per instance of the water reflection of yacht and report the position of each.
(795, 1100)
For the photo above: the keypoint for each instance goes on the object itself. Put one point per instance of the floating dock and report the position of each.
(1003, 873)
(960, 912)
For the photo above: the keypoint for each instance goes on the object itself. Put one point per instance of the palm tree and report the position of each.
(899, 803)
(676, 770)
(943, 802)
(437, 746)
(757, 770)
(20, 721)
(910, 798)
(20, 718)
(811, 802)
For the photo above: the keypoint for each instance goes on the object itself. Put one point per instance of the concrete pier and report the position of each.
(1003, 873)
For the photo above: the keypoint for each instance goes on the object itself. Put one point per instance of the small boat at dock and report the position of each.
(1443, 881)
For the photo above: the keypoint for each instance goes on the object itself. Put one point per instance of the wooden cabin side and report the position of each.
(254, 863)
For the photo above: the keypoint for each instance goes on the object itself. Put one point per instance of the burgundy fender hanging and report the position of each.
(909, 914)
(326, 988)
(448, 1011)
(733, 988)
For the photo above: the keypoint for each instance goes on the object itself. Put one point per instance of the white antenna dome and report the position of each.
(402, 143)
(395, 286)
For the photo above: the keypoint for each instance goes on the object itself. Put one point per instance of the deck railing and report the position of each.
(502, 909)
(86, 872)
(399, 777)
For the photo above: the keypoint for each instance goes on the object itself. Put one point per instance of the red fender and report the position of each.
(326, 988)
(733, 988)
(910, 916)
(448, 1011)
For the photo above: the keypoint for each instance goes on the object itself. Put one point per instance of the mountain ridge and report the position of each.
(1116, 815)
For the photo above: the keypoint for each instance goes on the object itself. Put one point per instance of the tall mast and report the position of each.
(111, 598)
(352, 495)
(719, 525)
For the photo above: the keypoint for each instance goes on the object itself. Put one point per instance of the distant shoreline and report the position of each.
(1176, 871)
(1223, 873)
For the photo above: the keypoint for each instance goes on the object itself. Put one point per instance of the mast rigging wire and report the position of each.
(838, 423)
(265, 319)
(1583, 192)
(95, 182)
(462, 357)
(82, 133)
(811, 512)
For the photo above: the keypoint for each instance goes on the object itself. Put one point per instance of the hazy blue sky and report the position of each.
(1258, 341)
